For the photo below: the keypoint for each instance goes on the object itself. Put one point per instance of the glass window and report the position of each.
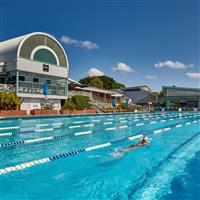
(49, 81)
(46, 56)
(13, 79)
(21, 78)
(36, 80)
(2, 80)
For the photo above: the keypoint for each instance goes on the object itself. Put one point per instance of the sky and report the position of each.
(152, 43)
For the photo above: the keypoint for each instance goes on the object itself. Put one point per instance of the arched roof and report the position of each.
(24, 45)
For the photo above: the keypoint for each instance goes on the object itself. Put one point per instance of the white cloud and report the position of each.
(80, 43)
(122, 67)
(94, 72)
(172, 64)
(150, 77)
(193, 75)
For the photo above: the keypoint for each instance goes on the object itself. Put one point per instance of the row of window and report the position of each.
(34, 80)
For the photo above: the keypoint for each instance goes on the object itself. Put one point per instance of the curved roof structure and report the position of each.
(36, 46)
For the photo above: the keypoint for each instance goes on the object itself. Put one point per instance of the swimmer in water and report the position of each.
(118, 152)
(143, 142)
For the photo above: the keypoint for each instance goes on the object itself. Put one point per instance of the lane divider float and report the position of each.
(72, 153)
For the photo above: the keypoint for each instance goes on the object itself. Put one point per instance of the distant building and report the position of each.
(30, 62)
(95, 94)
(140, 95)
(182, 96)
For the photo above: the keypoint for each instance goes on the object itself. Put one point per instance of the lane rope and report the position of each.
(56, 137)
(75, 152)
(14, 133)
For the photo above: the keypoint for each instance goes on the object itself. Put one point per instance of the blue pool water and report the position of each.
(75, 157)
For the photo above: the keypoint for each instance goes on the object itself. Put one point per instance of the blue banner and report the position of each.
(126, 103)
(45, 89)
(113, 102)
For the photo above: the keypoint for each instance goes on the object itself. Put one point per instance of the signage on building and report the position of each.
(46, 68)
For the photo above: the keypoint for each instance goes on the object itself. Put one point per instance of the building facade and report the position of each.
(140, 95)
(183, 97)
(95, 94)
(29, 62)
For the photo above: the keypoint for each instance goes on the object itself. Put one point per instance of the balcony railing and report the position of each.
(37, 88)
(7, 87)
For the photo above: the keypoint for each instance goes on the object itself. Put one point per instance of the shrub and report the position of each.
(77, 102)
(47, 106)
(69, 104)
(123, 106)
(9, 101)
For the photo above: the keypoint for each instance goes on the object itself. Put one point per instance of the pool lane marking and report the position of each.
(98, 146)
(95, 120)
(10, 127)
(6, 134)
(82, 133)
(124, 121)
(107, 122)
(120, 127)
(166, 129)
(78, 122)
(179, 125)
(140, 124)
(55, 124)
(38, 125)
(10, 144)
(112, 128)
(83, 125)
(43, 130)
(157, 131)
(50, 129)
(72, 153)
(129, 114)
(28, 131)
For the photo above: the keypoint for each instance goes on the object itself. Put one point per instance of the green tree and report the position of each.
(9, 101)
(161, 94)
(103, 82)
(96, 82)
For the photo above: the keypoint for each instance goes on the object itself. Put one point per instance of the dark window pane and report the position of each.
(49, 81)
(36, 80)
(21, 78)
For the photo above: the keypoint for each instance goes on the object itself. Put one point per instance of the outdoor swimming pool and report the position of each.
(72, 157)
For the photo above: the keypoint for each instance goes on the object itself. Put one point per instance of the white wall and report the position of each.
(37, 67)
(35, 103)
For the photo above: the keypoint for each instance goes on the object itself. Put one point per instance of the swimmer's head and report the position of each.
(145, 139)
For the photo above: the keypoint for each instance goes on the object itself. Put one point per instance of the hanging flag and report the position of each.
(126, 103)
(113, 102)
(45, 89)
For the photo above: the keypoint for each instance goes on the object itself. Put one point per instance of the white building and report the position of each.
(28, 62)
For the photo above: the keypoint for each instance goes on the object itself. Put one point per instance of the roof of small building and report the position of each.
(180, 88)
(140, 86)
(94, 89)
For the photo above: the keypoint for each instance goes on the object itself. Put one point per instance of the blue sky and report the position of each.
(135, 42)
